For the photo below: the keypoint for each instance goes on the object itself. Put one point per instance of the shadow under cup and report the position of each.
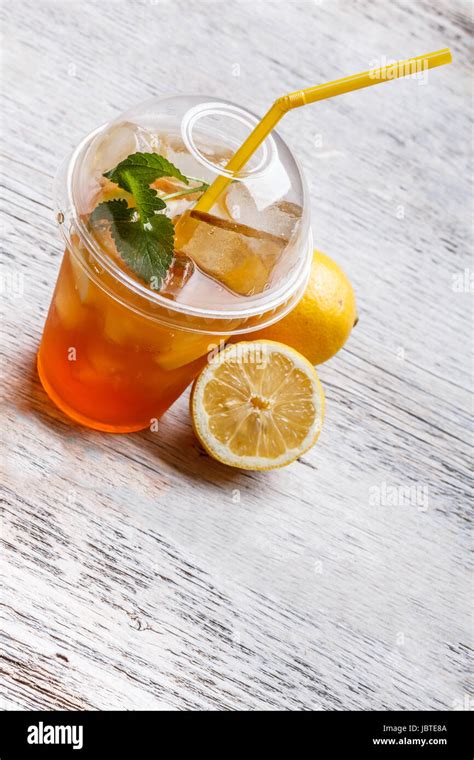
(115, 354)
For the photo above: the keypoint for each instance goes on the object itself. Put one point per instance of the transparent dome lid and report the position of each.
(250, 249)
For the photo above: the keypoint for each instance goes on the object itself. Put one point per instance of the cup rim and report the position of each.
(254, 305)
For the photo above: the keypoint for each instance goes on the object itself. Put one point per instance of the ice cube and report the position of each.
(71, 292)
(178, 154)
(279, 218)
(104, 153)
(80, 277)
(118, 142)
(239, 257)
(103, 236)
(180, 157)
(180, 271)
(175, 207)
(185, 348)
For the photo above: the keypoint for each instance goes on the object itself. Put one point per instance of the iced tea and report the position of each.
(117, 352)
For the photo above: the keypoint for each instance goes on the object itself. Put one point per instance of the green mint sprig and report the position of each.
(143, 235)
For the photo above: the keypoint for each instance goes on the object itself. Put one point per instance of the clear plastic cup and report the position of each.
(116, 352)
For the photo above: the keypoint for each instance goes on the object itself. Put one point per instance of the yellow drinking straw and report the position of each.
(301, 98)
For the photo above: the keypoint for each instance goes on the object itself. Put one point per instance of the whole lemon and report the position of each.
(321, 322)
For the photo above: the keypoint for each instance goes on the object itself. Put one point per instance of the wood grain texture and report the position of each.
(137, 572)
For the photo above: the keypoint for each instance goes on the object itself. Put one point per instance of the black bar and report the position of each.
(164, 734)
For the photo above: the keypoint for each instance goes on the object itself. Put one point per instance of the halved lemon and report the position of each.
(257, 405)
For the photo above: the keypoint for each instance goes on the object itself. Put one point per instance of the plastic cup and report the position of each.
(115, 353)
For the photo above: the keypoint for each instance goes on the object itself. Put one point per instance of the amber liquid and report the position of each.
(108, 367)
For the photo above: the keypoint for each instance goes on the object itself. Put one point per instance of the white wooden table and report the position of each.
(139, 573)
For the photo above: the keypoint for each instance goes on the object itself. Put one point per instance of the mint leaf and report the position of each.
(146, 246)
(145, 168)
(148, 202)
(143, 237)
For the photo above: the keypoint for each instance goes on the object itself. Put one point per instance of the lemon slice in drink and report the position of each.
(257, 405)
